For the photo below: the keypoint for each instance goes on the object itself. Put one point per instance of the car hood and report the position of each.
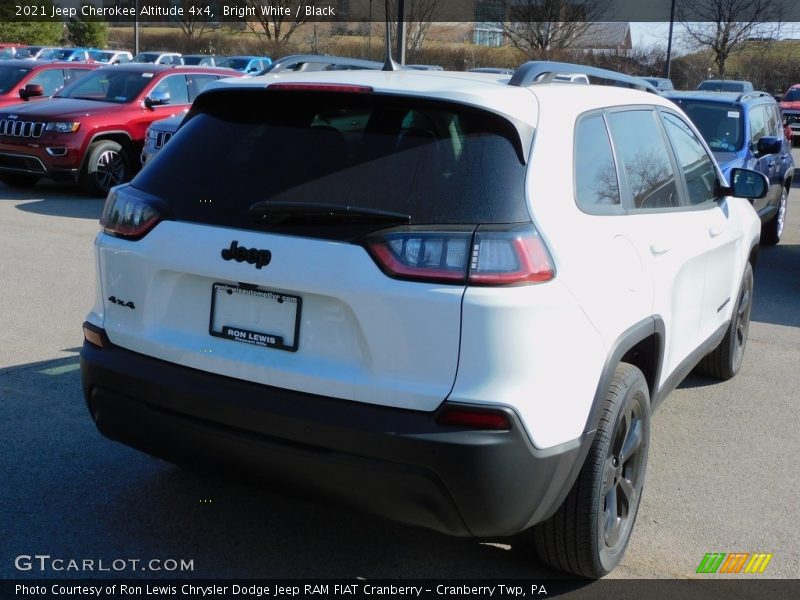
(169, 124)
(59, 108)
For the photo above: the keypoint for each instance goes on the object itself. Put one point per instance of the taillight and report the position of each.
(474, 418)
(487, 256)
(126, 216)
(503, 256)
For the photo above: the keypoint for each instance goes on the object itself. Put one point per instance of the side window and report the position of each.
(75, 74)
(758, 124)
(775, 121)
(197, 83)
(596, 182)
(644, 158)
(51, 80)
(693, 161)
(175, 86)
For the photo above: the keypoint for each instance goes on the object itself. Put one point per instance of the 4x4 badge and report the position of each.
(254, 256)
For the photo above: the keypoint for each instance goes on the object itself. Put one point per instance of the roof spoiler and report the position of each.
(542, 71)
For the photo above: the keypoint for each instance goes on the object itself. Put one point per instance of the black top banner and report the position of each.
(487, 11)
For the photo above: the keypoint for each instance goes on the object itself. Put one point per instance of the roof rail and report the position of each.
(542, 71)
(744, 95)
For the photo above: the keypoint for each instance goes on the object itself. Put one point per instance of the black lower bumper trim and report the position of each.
(390, 462)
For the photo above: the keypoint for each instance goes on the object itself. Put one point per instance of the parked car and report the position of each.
(111, 57)
(157, 135)
(34, 52)
(66, 55)
(11, 50)
(725, 85)
(425, 295)
(746, 130)
(22, 80)
(492, 70)
(248, 65)
(662, 84)
(93, 130)
(203, 60)
(158, 58)
(790, 107)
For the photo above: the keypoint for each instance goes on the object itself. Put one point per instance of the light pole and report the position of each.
(369, 31)
(668, 64)
(135, 27)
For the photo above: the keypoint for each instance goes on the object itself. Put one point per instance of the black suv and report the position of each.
(746, 130)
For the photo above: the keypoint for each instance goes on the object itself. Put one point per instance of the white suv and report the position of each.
(449, 299)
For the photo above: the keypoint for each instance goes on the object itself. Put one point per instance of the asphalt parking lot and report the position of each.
(724, 473)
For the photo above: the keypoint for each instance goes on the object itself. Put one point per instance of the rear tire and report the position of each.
(589, 533)
(772, 230)
(107, 164)
(19, 180)
(726, 359)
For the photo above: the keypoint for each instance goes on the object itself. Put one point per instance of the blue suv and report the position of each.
(746, 130)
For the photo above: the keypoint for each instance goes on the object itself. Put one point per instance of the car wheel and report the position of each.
(726, 359)
(18, 179)
(107, 165)
(589, 533)
(771, 232)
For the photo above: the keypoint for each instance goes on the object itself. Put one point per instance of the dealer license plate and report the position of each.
(255, 316)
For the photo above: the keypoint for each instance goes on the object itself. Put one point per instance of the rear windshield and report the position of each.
(720, 124)
(722, 86)
(440, 163)
(11, 76)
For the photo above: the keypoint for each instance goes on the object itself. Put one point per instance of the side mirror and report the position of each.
(747, 184)
(31, 90)
(156, 99)
(768, 145)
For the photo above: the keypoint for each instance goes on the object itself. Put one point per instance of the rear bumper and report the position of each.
(394, 463)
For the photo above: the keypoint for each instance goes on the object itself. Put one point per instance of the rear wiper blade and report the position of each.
(267, 208)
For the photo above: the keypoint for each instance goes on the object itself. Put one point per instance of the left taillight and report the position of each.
(128, 216)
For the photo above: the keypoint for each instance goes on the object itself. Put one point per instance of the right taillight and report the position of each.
(490, 255)
(128, 216)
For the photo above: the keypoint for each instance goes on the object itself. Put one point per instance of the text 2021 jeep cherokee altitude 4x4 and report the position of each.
(449, 299)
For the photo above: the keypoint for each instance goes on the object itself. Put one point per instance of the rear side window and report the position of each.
(440, 163)
(644, 159)
(595, 173)
(697, 167)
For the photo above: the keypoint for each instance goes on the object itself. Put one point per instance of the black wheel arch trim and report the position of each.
(99, 136)
(629, 338)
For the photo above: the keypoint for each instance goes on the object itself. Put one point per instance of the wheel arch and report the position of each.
(641, 345)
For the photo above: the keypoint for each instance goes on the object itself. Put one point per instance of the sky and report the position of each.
(644, 35)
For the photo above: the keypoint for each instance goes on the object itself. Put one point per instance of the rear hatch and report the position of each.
(312, 239)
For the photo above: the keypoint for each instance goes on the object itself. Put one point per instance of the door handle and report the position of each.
(659, 249)
(714, 231)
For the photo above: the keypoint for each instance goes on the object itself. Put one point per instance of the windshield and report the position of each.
(194, 60)
(146, 57)
(240, 64)
(64, 54)
(108, 85)
(28, 52)
(721, 86)
(720, 124)
(793, 95)
(441, 163)
(10, 77)
(101, 56)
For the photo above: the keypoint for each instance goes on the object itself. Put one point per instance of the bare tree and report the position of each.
(278, 19)
(194, 21)
(726, 26)
(419, 16)
(540, 27)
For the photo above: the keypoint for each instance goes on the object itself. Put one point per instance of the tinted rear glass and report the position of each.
(440, 163)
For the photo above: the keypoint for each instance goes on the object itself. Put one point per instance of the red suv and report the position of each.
(25, 79)
(93, 131)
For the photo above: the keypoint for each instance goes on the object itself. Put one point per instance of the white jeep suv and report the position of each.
(449, 299)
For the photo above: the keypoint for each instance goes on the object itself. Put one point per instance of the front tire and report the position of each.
(107, 164)
(589, 533)
(771, 231)
(726, 359)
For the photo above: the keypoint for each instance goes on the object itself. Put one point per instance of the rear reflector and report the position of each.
(321, 87)
(459, 416)
(92, 336)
